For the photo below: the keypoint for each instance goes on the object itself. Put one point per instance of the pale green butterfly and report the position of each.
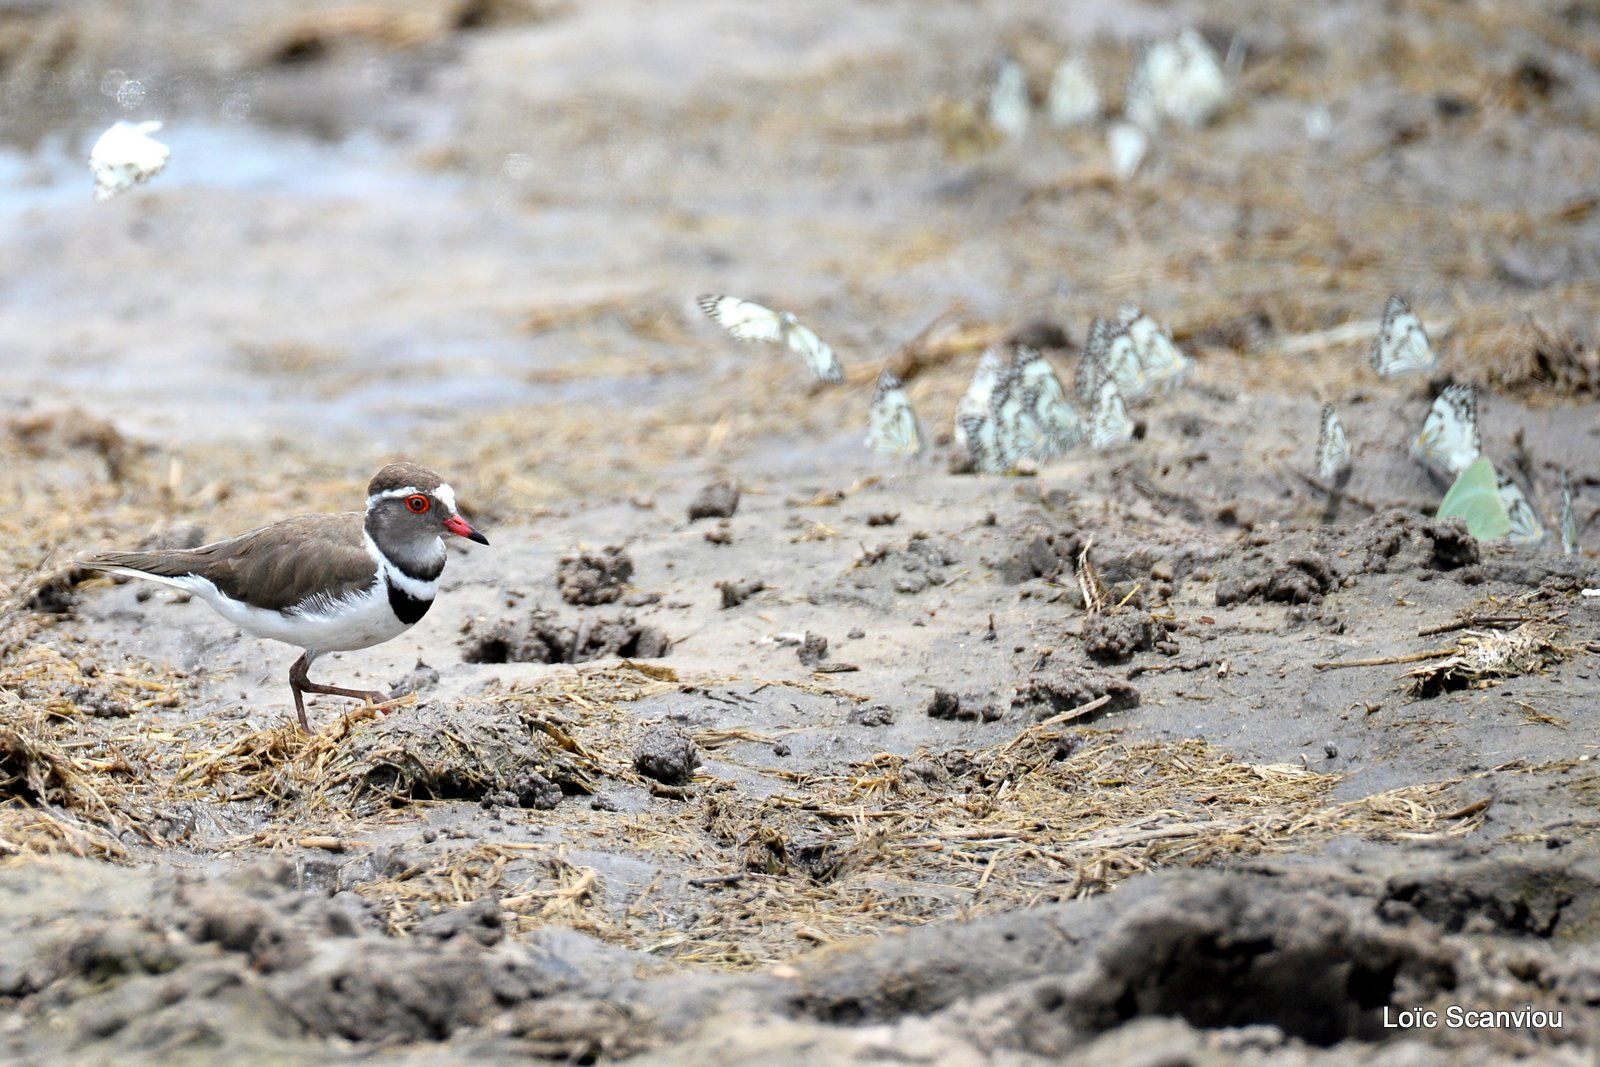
(1475, 499)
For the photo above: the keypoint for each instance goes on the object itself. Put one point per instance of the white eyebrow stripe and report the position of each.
(392, 494)
(444, 494)
(447, 497)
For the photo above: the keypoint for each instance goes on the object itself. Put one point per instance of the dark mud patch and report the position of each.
(542, 637)
(1069, 688)
(589, 578)
(719, 500)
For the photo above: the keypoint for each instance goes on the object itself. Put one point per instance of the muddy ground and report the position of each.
(849, 773)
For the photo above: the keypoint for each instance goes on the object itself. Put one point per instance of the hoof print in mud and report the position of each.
(587, 579)
(1072, 687)
(667, 754)
(719, 500)
(544, 638)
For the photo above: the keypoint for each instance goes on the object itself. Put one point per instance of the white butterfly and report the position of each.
(1161, 364)
(1018, 435)
(1127, 145)
(1060, 421)
(975, 402)
(1525, 525)
(1178, 80)
(1569, 521)
(892, 425)
(1109, 426)
(1401, 346)
(1108, 353)
(977, 434)
(124, 156)
(749, 321)
(1449, 438)
(1008, 100)
(1074, 98)
(1333, 448)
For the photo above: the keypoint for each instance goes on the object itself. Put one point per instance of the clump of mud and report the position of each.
(1115, 637)
(542, 637)
(668, 754)
(471, 751)
(1301, 568)
(1072, 687)
(719, 500)
(588, 579)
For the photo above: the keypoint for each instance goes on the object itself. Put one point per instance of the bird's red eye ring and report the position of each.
(417, 503)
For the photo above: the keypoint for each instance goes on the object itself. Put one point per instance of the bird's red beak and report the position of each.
(461, 527)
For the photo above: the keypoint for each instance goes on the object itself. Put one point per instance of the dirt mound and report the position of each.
(541, 637)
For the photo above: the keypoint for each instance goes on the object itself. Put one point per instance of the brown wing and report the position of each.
(275, 567)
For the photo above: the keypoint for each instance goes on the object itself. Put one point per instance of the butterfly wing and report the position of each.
(819, 355)
(1008, 100)
(892, 425)
(1092, 363)
(1161, 364)
(1074, 98)
(974, 403)
(1058, 420)
(1333, 448)
(1525, 527)
(1018, 435)
(1569, 521)
(1109, 425)
(746, 320)
(1449, 438)
(1474, 497)
(1402, 345)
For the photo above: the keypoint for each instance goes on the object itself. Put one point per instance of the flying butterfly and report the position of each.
(1474, 497)
(1059, 420)
(1569, 521)
(1008, 100)
(1525, 527)
(1449, 438)
(892, 425)
(1401, 346)
(749, 321)
(1161, 364)
(124, 156)
(1333, 448)
(1109, 425)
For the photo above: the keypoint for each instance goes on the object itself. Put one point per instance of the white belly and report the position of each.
(359, 621)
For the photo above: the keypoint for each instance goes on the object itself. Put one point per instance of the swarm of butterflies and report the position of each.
(1177, 80)
(1016, 410)
(1493, 506)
